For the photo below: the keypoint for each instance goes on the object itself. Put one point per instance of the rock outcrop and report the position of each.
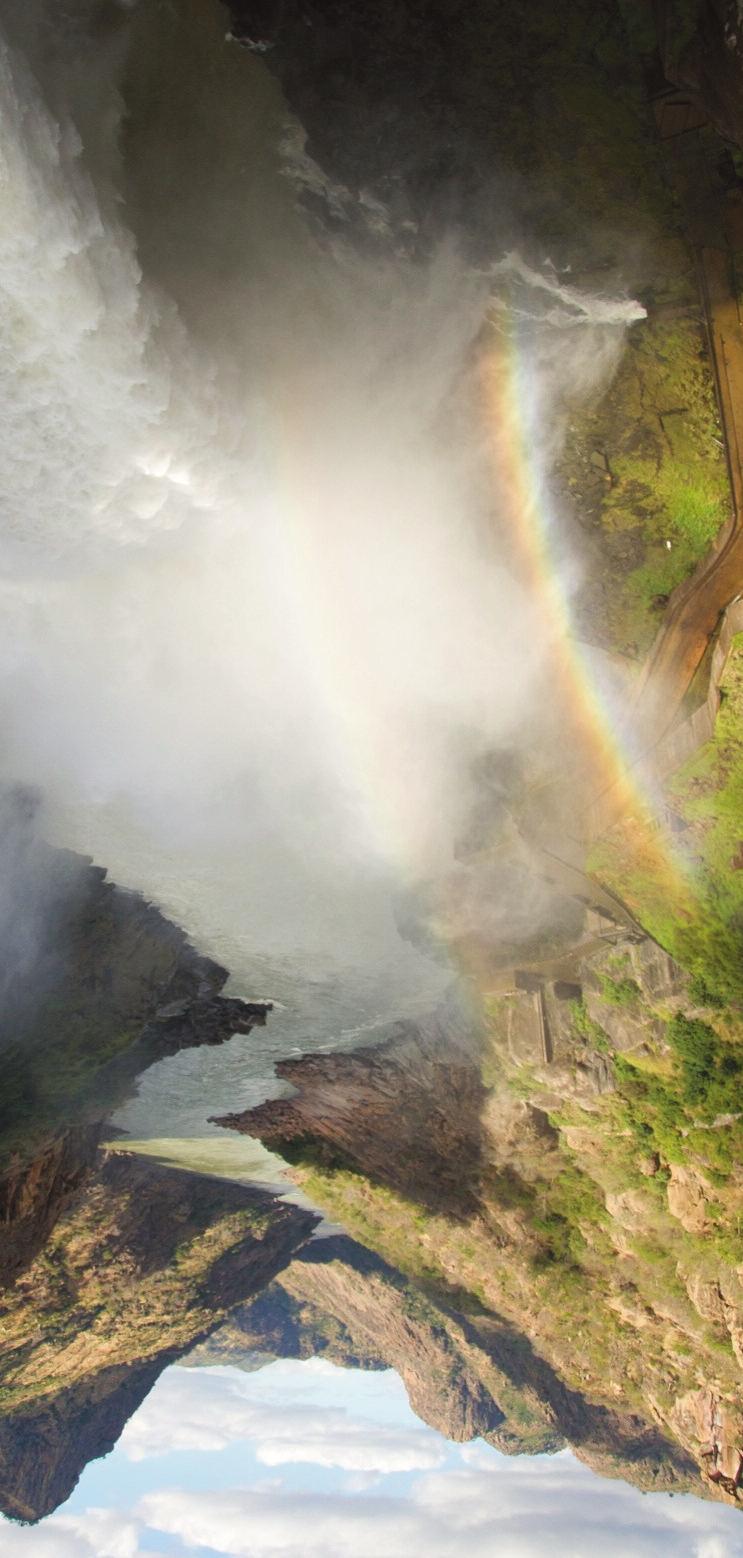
(95, 986)
(143, 1263)
(421, 1085)
(429, 118)
(339, 1301)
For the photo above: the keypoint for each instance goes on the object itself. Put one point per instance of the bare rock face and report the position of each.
(445, 119)
(281, 1325)
(379, 1107)
(688, 1199)
(715, 1425)
(143, 1263)
(340, 1301)
(439, 1369)
(33, 1194)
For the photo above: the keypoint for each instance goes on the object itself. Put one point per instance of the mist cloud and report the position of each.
(253, 578)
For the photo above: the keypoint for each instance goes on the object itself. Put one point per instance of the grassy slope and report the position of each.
(664, 480)
(691, 898)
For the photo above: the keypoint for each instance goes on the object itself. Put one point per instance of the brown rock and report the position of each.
(687, 1198)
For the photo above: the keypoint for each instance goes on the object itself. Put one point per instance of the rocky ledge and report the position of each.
(376, 1106)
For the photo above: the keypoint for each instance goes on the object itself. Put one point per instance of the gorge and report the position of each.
(372, 385)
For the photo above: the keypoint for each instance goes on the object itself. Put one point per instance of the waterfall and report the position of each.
(256, 621)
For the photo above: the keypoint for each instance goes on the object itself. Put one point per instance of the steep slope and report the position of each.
(95, 986)
(592, 1253)
(143, 1263)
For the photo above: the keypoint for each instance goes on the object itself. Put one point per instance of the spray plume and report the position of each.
(257, 574)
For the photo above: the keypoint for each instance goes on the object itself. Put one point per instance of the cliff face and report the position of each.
(110, 1268)
(339, 1301)
(591, 1254)
(421, 1085)
(95, 986)
(464, 1378)
(143, 1263)
(451, 119)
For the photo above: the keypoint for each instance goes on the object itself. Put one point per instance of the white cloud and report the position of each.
(352, 1447)
(211, 1409)
(483, 1506)
(97, 1533)
(520, 1509)
(244, 1524)
(535, 1508)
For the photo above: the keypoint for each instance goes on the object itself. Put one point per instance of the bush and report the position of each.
(710, 1069)
(589, 1030)
(701, 994)
(619, 992)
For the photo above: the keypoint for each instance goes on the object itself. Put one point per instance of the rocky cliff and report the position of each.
(95, 986)
(449, 119)
(420, 1085)
(143, 1263)
(340, 1301)
(337, 1299)
(592, 1254)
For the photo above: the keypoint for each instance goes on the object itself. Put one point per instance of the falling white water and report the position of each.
(254, 624)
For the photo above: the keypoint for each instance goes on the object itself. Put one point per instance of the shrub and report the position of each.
(619, 992)
(701, 994)
(710, 1069)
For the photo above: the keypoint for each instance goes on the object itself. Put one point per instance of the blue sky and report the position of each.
(304, 1460)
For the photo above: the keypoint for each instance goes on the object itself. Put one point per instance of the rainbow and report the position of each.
(376, 790)
(608, 772)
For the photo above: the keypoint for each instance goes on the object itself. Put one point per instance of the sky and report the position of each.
(305, 1460)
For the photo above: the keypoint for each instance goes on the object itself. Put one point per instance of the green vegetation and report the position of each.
(664, 1109)
(701, 995)
(657, 491)
(619, 992)
(710, 1069)
(689, 892)
(590, 1031)
(569, 1201)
